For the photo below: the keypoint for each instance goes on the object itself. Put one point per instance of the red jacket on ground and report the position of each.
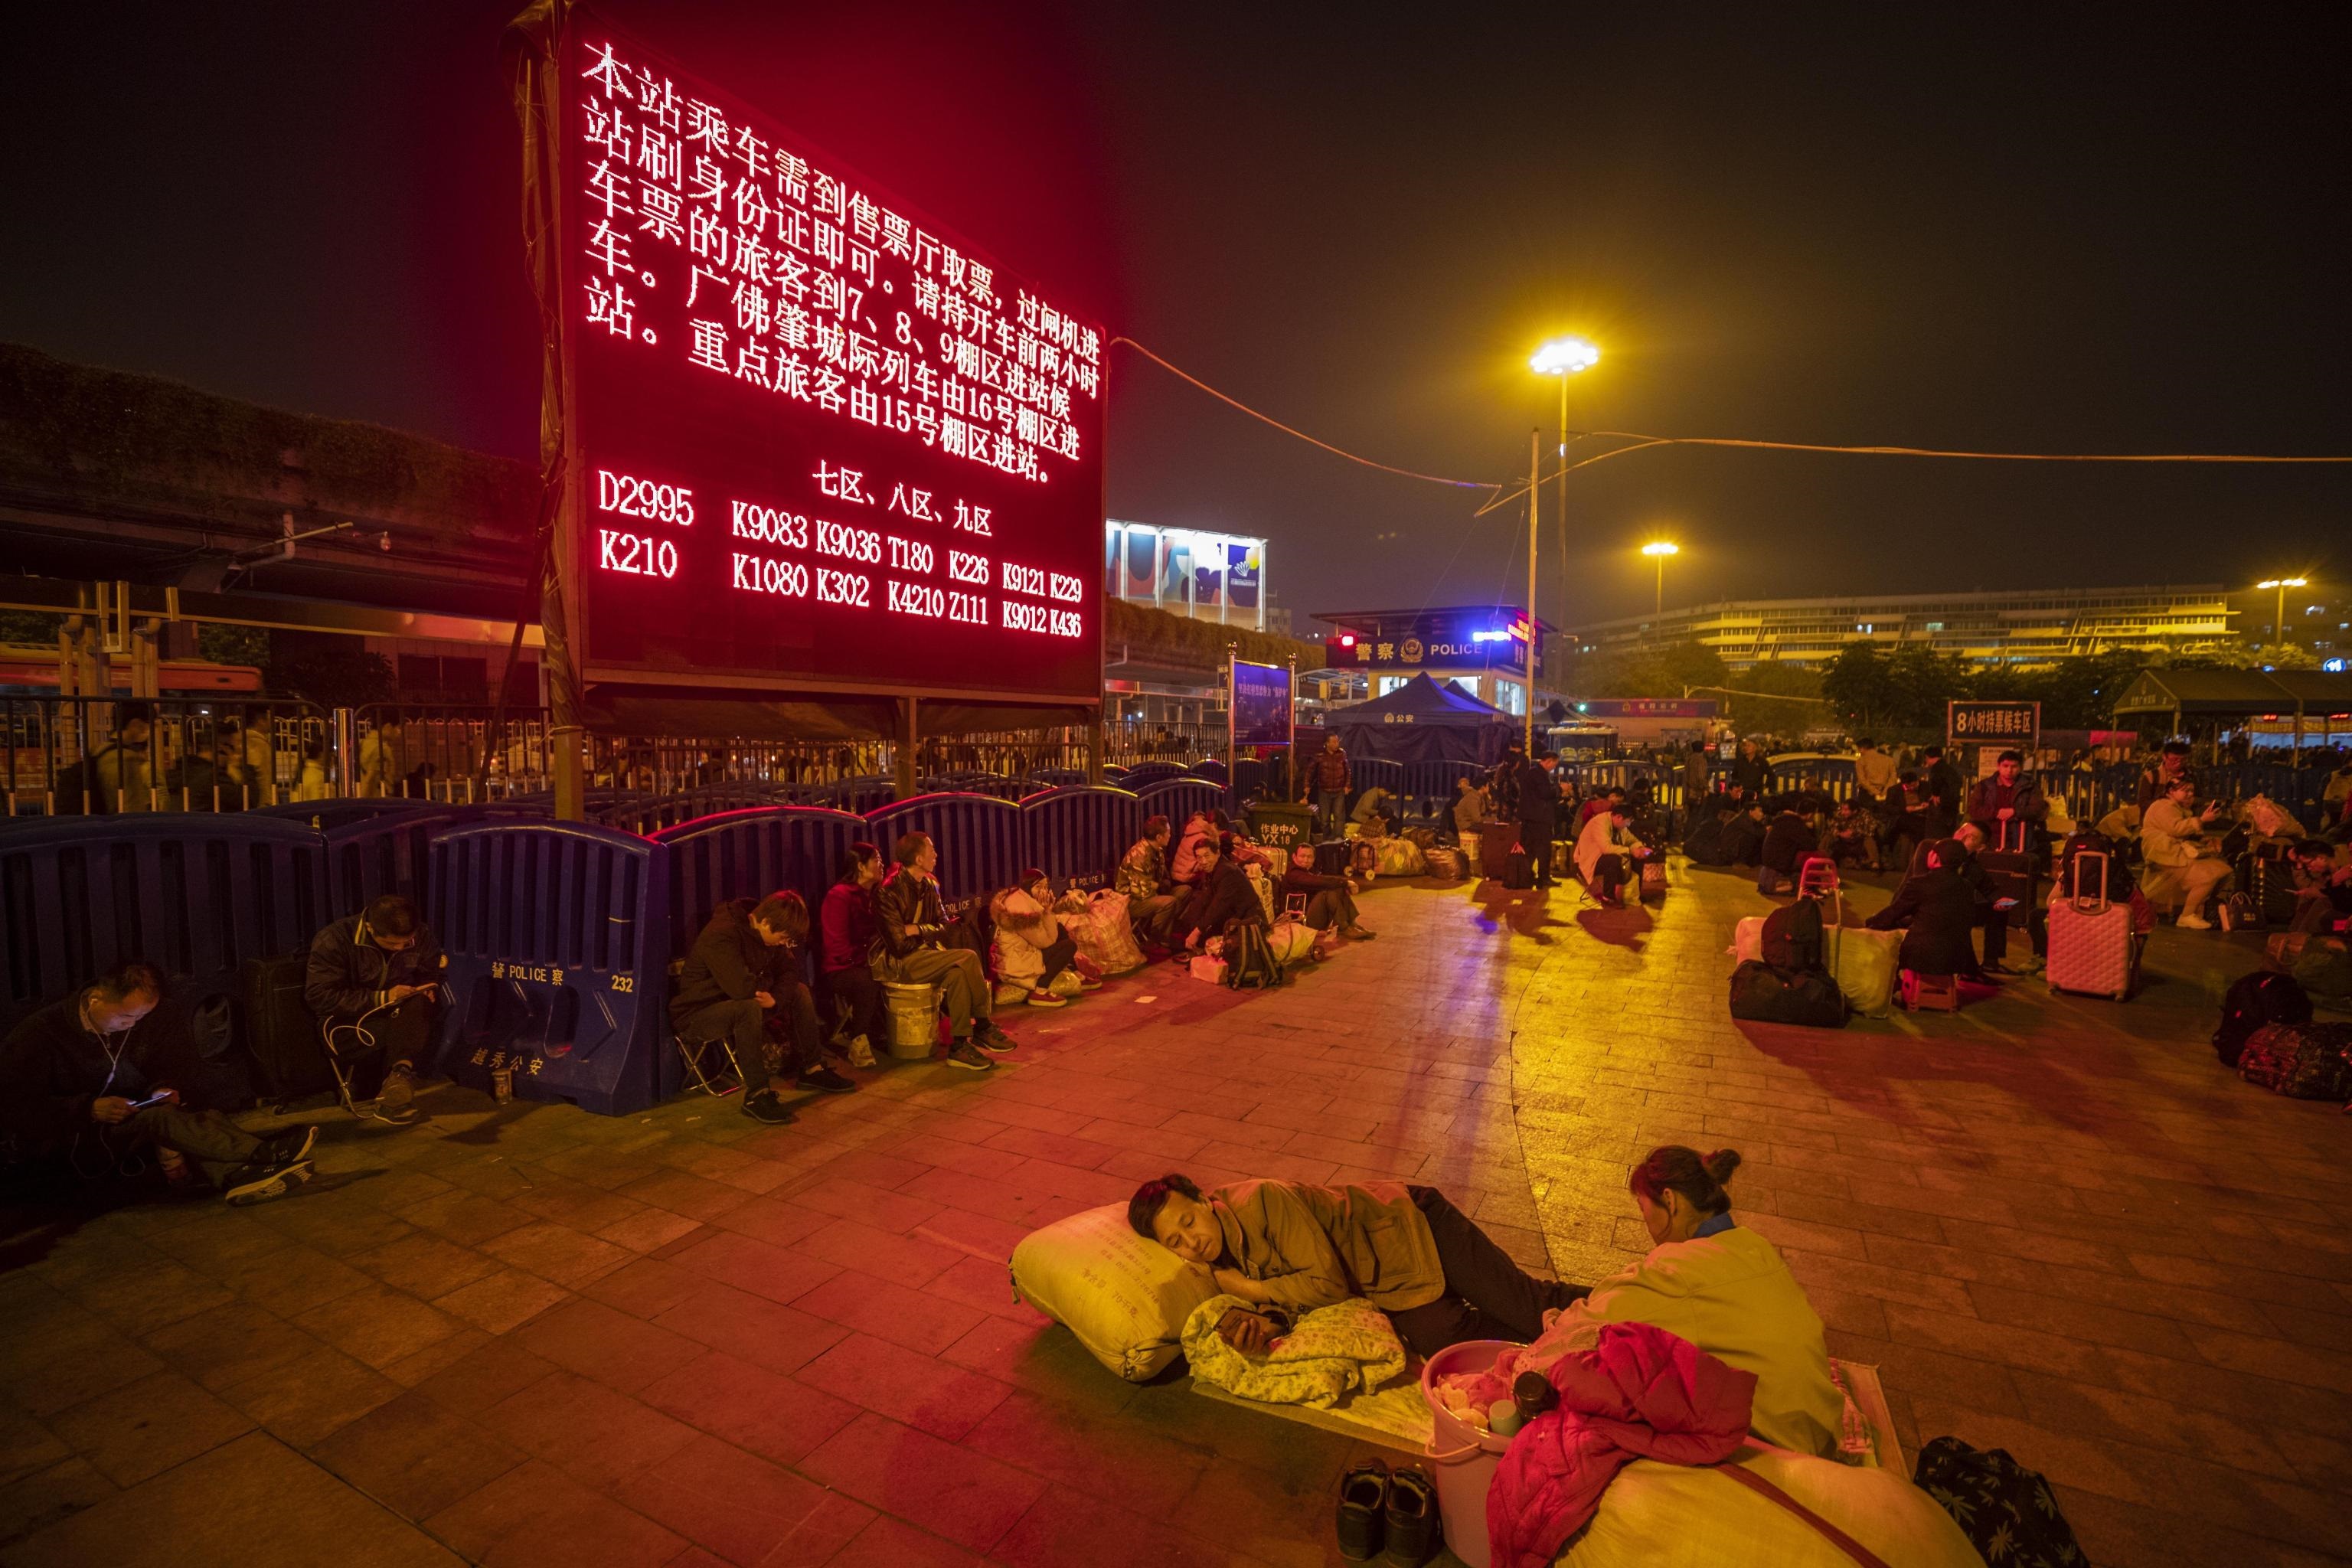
(1640, 1394)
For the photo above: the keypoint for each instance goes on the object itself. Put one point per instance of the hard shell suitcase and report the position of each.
(1518, 871)
(1495, 846)
(2011, 869)
(1654, 880)
(282, 1033)
(1332, 858)
(2093, 948)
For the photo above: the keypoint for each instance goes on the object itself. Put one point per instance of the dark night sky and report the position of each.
(2101, 229)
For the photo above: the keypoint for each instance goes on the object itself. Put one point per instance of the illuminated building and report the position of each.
(1189, 571)
(2024, 627)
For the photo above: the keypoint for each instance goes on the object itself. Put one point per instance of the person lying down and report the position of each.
(1287, 1247)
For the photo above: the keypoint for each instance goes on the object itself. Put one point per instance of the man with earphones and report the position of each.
(77, 1081)
(374, 981)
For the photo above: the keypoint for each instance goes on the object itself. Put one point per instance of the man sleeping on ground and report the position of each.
(1287, 1247)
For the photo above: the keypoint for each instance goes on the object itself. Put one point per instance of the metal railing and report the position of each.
(97, 755)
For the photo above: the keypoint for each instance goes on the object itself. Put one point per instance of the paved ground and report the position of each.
(529, 1335)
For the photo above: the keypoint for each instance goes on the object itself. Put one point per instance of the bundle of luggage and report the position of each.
(2267, 1034)
(1788, 982)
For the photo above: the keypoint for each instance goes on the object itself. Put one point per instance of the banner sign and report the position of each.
(1260, 711)
(816, 442)
(1493, 642)
(2012, 724)
(1647, 708)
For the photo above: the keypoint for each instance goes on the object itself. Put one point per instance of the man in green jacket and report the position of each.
(1288, 1247)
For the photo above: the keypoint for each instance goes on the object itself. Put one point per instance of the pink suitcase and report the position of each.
(2093, 949)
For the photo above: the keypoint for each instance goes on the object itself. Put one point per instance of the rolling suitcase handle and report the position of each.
(2081, 905)
(2000, 835)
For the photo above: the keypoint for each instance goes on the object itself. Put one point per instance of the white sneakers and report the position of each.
(2188, 922)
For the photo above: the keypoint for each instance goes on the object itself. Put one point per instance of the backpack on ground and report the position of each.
(2078, 843)
(1792, 936)
(1763, 992)
(2253, 1002)
(2006, 1511)
(2301, 1061)
(2324, 970)
(1249, 959)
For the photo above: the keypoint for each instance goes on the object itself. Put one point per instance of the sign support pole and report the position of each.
(903, 763)
(1535, 473)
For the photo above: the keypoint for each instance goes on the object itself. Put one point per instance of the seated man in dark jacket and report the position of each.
(1940, 907)
(1742, 843)
(1225, 894)
(1330, 900)
(75, 1080)
(1791, 839)
(374, 981)
(910, 948)
(742, 985)
(2008, 806)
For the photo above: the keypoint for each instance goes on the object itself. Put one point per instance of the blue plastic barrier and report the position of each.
(198, 895)
(1076, 835)
(557, 937)
(1830, 776)
(1063, 778)
(977, 837)
(1429, 787)
(391, 852)
(857, 795)
(1178, 798)
(1210, 768)
(1143, 774)
(751, 854)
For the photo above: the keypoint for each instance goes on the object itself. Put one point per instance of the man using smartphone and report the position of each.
(74, 1081)
(374, 981)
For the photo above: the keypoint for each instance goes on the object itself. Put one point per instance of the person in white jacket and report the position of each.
(1605, 853)
(2175, 858)
(1031, 949)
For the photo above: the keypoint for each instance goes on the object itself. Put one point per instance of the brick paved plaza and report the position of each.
(528, 1335)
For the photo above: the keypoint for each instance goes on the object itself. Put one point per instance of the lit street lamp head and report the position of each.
(1565, 356)
(2284, 583)
(1660, 547)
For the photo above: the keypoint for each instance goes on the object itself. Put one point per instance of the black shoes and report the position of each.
(1363, 1510)
(970, 1058)
(989, 1037)
(766, 1108)
(823, 1079)
(1413, 1517)
(1391, 1512)
(290, 1146)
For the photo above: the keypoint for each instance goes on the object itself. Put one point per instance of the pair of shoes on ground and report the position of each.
(277, 1168)
(1388, 1514)
(973, 1054)
(768, 1107)
(1358, 933)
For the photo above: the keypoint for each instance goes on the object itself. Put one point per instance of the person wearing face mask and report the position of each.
(75, 1080)
(1287, 1247)
(1727, 1291)
(374, 982)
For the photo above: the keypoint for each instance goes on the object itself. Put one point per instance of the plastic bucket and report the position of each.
(1463, 1456)
(914, 1010)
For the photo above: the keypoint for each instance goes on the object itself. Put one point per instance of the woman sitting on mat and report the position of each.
(1287, 1247)
(1723, 1288)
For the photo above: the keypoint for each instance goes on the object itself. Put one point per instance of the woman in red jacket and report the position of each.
(844, 948)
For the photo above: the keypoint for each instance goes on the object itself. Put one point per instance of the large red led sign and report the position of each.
(815, 443)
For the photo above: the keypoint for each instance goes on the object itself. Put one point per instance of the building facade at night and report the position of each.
(2025, 628)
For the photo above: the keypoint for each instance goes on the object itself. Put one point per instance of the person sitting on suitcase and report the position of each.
(374, 982)
(1606, 851)
(742, 983)
(1330, 900)
(75, 1080)
(2005, 796)
(1937, 911)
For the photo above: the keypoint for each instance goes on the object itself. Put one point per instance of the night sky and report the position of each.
(2036, 229)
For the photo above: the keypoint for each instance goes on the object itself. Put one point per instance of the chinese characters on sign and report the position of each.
(814, 438)
(1261, 704)
(2015, 724)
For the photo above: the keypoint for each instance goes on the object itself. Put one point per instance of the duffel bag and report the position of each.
(1446, 865)
(1400, 857)
(1764, 994)
(2324, 970)
(2256, 1002)
(1105, 934)
(2006, 1511)
(1293, 942)
(2301, 1061)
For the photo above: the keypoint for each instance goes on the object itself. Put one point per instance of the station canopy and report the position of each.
(1424, 721)
(2236, 693)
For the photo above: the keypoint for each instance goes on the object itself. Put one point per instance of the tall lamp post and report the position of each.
(2278, 618)
(1562, 357)
(1659, 549)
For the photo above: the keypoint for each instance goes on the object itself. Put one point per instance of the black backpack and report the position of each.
(2006, 1511)
(2076, 843)
(1249, 962)
(1792, 936)
(1766, 994)
(2254, 1002)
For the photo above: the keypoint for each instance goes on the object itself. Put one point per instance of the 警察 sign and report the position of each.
(816, 441)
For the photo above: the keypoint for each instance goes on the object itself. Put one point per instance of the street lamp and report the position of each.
(1562, 357)
(1661, 550)
(2278, 620)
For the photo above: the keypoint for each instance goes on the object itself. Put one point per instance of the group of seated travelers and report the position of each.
(1177, 904)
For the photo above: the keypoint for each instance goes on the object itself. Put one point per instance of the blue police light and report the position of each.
(2332, 666)
(1490, 636)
